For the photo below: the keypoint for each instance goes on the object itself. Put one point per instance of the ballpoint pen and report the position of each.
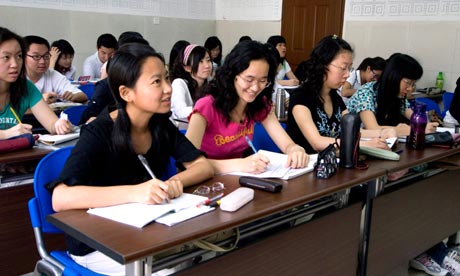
(211, 200)
(251, 145)
(149, 170)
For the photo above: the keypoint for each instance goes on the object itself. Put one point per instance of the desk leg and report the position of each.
(134, 268)
(374, 188)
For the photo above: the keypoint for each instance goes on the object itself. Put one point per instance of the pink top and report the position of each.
(221, 141)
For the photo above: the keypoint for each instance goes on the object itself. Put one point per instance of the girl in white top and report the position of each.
(285, 76)
(189, 73)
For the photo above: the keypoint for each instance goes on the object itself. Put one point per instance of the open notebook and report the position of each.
(52, 140)
(137, 214)
(277, 169)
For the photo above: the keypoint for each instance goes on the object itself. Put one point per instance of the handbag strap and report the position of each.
(203, 244)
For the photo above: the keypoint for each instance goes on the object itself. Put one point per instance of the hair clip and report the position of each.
(334, 36)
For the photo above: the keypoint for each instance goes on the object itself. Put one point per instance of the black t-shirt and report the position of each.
(329, 127)
(93, 162)
(102, 97)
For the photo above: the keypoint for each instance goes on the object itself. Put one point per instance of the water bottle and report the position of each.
(440, 81)
(418, 122)
(279, 105)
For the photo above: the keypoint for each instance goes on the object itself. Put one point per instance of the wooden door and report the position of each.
(305, 22)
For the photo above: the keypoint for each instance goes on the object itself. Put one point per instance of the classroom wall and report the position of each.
(428, 30)
(81, 29)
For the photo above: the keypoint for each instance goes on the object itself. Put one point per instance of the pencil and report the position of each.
(15, 115)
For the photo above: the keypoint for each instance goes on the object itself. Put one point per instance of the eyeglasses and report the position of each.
(205, 190)
(409, 83)
(375, 75)
(45, 57)
(250, 81)
(344, 69)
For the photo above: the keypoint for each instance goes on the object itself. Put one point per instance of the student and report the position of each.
(383, 103)
(453, 114)
(177, 48)
(51, 83)
(106, 46)
(315, 109)
(102, 97)
(370, 69)
(104, 168)
(244, 38)
(190, 73)
(214, 46)
(284, 76)
(18, 94)
(62, 54)
(239, 96)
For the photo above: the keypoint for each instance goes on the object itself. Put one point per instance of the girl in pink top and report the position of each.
(239, 96)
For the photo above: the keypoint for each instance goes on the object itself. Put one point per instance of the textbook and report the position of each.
(276, 168)
(138, 214)
(52, 140)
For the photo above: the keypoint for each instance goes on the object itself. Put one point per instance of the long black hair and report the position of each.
(211, 43)
(375, 63)
(222, 87)
(316, 67)
(125, 68)
(389, 104)
(18, 88)
(193, 60)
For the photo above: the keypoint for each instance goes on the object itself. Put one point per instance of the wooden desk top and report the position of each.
(127, 244)
(24, 155)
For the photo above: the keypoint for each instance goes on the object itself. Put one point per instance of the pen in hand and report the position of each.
(251, 145)
(149, 170)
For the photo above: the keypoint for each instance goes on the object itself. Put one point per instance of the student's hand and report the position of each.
(389, 132)
(431, 127)
(256, 163)
(67, 96)
(402, 130)
(153, 191)
(292, 82)
(376, 143)
(50, 97)
(63, 126)
(54, 52)
(175, 189)
(297, 158)
(18, 129)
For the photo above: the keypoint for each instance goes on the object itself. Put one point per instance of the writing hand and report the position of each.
(256, 163)
(18, 129)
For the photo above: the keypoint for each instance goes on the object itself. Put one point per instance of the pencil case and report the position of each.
(24, 141)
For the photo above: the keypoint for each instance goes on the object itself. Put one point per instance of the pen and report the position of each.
(15, 115)
(214, 203)
(149, 170)
(251, 145)
(211, 200)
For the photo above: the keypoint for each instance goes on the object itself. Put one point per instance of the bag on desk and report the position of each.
(327, 164)
(24, 141)
(442, 139)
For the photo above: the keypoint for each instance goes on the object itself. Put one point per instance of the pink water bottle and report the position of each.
(418, 122)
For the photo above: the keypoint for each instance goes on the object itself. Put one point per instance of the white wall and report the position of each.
(428, 30)
(81, 29)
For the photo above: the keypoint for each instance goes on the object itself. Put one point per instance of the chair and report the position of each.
(430, 105)
(262, 140)
(74, 113)
(55, 262)
(446, 101)
(88, 89)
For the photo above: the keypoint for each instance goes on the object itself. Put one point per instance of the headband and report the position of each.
(187, 52)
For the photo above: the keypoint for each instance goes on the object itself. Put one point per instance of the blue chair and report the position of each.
(55, 262)
(446, 101)
(262, 140)
(74, 113)
(88, 89)
(430, 105)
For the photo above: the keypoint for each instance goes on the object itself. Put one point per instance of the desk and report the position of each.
(129, 245)
(18, 253)
(407, 218)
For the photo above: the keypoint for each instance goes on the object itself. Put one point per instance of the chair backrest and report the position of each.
(88, 89)
(47, 170)
(446, 101)
(74, 113)
(430, 105)
(262, 140)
